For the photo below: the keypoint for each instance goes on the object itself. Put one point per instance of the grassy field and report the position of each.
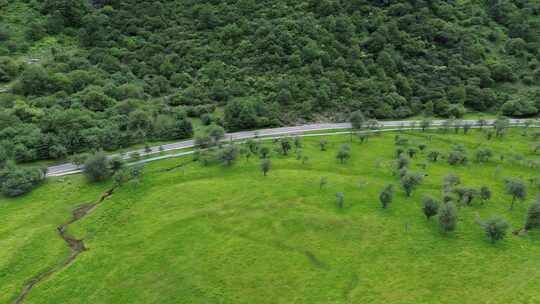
(229, 235)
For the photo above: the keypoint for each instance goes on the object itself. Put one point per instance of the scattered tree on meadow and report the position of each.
(465, 195)
(485, 194)
(323, 144)
(495, 228)
(430, 207)
(410, 181)
(386, 196)
(344, 153)
(447, 196)
(285, 145)
(483, 155)
(451, 180)
(253, 145)
(457, 157)
(448, 217)
(264, 151)
(411, 152)
(433, 155)
(403, 162)
(228, 154)
(131, 174)
(516, 188)
(265, 166)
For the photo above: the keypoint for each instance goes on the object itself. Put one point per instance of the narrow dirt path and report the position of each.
(76, 246)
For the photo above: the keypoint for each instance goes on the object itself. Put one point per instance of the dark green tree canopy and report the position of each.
(122, 70)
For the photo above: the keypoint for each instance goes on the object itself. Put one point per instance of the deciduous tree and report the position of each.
(386, 196)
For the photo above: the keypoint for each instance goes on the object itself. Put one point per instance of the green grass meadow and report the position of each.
(230, 235)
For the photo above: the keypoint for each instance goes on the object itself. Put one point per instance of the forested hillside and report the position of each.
(112, 73)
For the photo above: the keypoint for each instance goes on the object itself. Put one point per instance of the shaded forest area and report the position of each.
(120, 73)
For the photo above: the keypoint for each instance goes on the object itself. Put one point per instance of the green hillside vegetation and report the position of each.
(116, 73)
(316, 227)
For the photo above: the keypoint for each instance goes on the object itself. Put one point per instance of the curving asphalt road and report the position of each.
(70, 168)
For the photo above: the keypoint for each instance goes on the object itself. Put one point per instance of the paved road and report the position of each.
(69, 168)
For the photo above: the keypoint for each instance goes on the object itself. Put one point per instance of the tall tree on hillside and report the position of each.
(97, 167)
(516, 188)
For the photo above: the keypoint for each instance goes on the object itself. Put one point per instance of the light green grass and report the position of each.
(229, 235)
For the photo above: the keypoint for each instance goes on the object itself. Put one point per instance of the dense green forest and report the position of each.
(81, 75)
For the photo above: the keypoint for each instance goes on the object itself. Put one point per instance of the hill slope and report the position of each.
(218, 234)
(117, 73)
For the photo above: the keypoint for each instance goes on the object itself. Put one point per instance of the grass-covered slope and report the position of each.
(230, 235)
(28, 233)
